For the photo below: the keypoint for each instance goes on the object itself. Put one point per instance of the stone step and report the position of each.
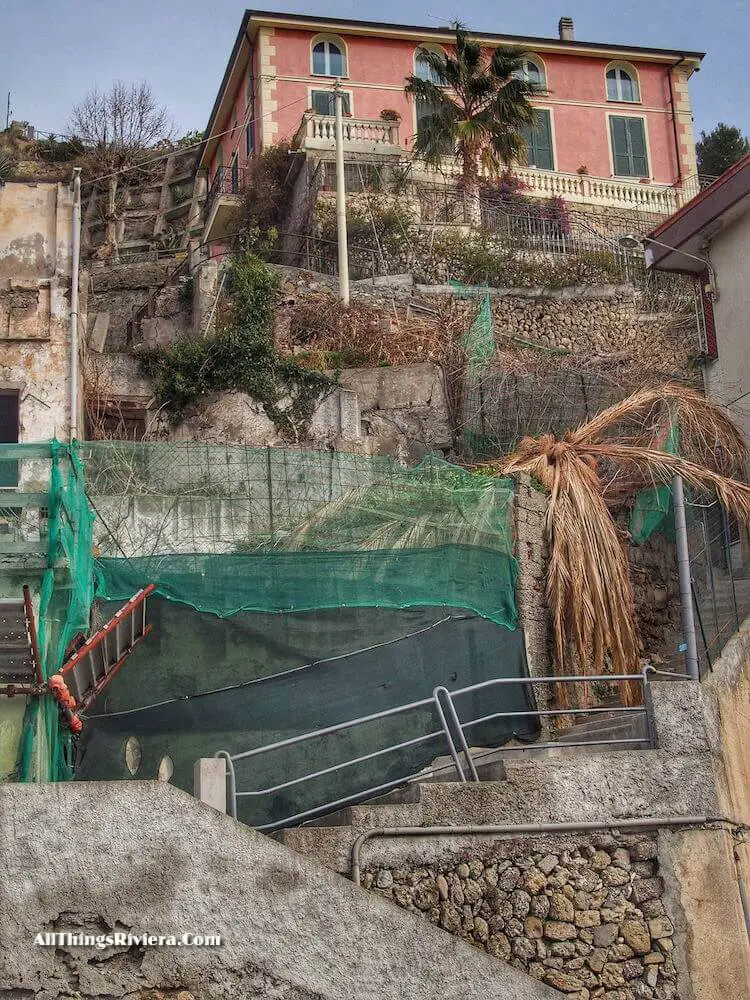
(589, 732)
(371, 814)
(330, 845)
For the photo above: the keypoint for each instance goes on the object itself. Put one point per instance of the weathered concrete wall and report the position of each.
(398, 410)
(701, 883)
(728, 378)
(35, 266)
(119, 290)
(148, 858)
(725, 694)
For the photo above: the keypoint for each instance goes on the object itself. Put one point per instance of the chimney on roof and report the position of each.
(565, 27)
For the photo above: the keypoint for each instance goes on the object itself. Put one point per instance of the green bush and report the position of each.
(240, 356)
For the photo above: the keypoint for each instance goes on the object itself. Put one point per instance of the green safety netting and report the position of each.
(295, 590)
(653, 509)
(228, 529)
(65, 594)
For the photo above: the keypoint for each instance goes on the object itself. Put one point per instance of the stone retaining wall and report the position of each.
(583, 915)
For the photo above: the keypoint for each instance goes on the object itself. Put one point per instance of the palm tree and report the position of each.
(479, 103)
(594, 469)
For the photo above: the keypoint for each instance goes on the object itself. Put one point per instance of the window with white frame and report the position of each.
(323, 102)
(328, 58)
(532, 71)
(423, 68)
(622, 84)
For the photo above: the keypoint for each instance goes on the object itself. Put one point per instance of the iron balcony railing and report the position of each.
(229, 180)
(452, 729)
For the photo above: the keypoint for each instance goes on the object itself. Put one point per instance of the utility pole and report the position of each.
(74, 277)
(7, 114)
(341, 197)
(683, 570)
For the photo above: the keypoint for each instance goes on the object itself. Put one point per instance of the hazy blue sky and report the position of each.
(53, 51)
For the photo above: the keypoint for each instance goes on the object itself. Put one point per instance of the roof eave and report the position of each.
(241, 35)
(446, 31)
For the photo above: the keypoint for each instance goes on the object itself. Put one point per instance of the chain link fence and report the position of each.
(720, 572)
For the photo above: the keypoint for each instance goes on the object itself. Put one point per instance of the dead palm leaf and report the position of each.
(589, 588)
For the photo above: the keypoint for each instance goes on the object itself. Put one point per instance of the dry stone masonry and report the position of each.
(586, 918)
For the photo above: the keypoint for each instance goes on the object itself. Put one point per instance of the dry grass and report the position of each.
(589, 589)
(320, 327)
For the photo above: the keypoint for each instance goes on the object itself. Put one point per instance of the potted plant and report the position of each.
(390, 115)
(582, 170)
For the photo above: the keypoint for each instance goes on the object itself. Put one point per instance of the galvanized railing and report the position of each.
(452, 729)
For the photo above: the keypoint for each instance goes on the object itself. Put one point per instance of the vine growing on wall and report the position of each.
(241, 356)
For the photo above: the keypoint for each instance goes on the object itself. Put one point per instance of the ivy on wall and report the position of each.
(240, 356)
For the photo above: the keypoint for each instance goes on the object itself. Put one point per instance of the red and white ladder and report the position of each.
(91, 667)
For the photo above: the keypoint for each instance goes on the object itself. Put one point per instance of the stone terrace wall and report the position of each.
(585, 916)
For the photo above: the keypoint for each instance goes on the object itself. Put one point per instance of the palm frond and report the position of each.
(589, 588)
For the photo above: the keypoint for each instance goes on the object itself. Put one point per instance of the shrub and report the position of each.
(264, 197)
(240, 356)
(53, 151)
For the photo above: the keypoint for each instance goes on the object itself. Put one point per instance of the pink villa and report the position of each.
(614, 125)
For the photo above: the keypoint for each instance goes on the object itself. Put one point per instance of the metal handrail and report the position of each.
(452, 728)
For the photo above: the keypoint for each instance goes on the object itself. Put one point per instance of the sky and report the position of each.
(53, 51)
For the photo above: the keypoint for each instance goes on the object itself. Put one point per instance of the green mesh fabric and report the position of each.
(479, 340)
(331, 579)
(295, 590)
(228, 529)
(653, 509)
(65, 599)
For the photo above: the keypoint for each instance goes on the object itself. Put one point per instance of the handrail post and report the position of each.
(231, 781)
(448, 735)
(648, 708)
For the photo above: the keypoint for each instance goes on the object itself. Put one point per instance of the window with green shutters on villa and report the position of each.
(629, 154)
(538, 141)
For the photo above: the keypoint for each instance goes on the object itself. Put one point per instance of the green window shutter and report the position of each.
(629, 146)
(637, 135)
(539, 142)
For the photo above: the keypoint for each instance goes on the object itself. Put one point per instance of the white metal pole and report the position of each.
(74, 271)
(341, 198)
(683, 571)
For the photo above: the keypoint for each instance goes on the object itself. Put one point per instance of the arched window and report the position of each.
(532, 71)
(422, 68)
(328, 57)
(622, 84)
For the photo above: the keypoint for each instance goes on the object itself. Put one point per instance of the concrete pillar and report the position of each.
(209, 782)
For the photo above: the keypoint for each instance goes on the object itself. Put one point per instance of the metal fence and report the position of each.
(720, 574)
(453, 730)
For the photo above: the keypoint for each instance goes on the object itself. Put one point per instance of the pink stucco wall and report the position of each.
(376, 68)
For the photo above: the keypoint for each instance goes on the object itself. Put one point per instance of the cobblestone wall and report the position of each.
(586, 917)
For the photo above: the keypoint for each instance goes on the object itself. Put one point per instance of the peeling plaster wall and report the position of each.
(35, 266)
(144, 856)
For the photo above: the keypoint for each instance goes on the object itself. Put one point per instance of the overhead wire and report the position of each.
(194, 145)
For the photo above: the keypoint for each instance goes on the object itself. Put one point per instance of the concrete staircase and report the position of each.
(329, 838)
(438, 798)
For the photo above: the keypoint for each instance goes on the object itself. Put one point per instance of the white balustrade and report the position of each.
(322, 129)
(615, 192)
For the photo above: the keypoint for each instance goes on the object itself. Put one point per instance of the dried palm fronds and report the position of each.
(589, 589)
